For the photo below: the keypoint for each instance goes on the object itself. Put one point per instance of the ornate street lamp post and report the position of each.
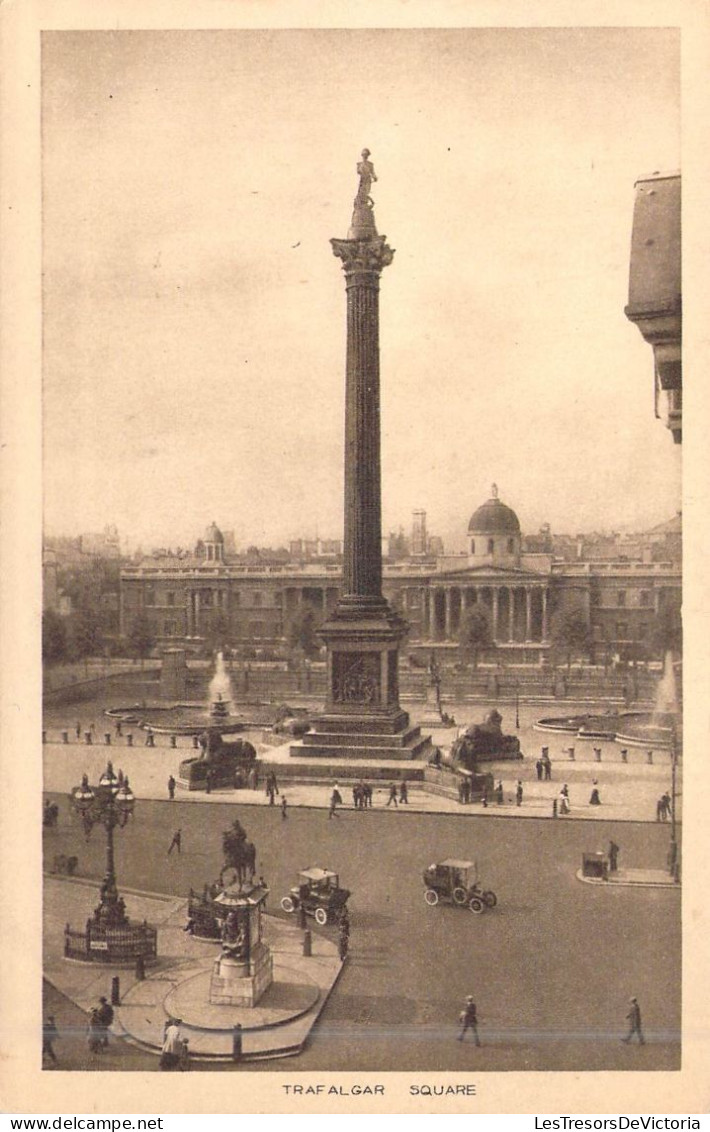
(110, 805)
(110, 936)
(673, 864)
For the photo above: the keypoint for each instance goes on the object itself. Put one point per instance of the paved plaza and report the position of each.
(629, 791)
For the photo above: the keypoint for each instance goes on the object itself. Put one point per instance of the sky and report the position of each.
(194, 314)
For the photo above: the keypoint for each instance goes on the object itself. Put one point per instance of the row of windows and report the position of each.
(207, 598)
(490, 546)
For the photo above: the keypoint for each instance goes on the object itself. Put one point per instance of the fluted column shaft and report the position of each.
(363, 261)
(362, 566)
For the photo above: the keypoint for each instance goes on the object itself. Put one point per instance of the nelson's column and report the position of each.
(362, 715)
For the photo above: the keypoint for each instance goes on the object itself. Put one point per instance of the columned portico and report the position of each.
(517, 609)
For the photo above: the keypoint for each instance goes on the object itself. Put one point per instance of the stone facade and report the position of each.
(185, 598)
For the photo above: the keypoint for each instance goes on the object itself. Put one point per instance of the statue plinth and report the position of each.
(237, 982)
(245, 968)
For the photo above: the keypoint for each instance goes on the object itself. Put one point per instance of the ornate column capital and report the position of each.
(363, 256)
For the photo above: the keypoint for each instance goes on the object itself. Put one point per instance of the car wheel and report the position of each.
(321, 916)
(431, 897)
(476, 905)
(459, 896)
(288, 904)
(490, 898)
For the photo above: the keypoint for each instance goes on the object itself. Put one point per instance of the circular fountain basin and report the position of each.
(177, 719)
(633, 728)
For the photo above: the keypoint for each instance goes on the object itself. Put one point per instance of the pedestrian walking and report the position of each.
(208, 781)
(367, 795)
(563, 801)
(634, 1019)
(499, 793)
(78, 729)
(171, 787)
(284, 803)
(105, 1017)
(173, 1050)
(667, 805)
(547, 766)
(357, 796)
(403, 795)
(519, 794)
(176, 842)
(50, 1034)
(469, 1020)
(93, 1032)
(335, 801)
(119, 728)
(539, 767)
(393, 795)
(594, 799)
(149, 737)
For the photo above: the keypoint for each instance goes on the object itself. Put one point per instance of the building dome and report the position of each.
(494, 518)
(213, 534)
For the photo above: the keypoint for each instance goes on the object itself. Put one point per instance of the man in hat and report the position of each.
(105, 1016)
(634, 1019)
(469, 1020)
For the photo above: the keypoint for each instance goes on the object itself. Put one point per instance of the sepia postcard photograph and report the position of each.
(346, 561)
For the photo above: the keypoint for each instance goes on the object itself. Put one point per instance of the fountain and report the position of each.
(652, 729)
(188, 718)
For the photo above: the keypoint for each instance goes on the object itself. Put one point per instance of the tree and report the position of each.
(475, 634)
(301, 631)
(667, 631)
(570, 631)
(54, 637)
(141, 638)
(218, 633)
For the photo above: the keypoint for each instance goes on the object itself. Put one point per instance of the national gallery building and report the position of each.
(187, 597)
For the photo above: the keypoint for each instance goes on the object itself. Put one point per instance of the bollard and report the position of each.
(140, 968)
(65, 736)
(237, 1042)
(571, 753)
(88, 738)
(107, 738)
(598, 754)
(44, 736)
(129, 739)
(650, 758)
(624, 755)
(302, 922)
(115, 991)
(307, 942)
(173, 741)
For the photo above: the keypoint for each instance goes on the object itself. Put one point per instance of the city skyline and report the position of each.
(187, 220)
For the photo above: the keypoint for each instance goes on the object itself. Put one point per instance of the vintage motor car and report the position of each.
(319, 894)
(457, 881)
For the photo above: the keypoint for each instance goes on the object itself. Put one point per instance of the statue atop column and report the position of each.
(366, 172)
(362, 226)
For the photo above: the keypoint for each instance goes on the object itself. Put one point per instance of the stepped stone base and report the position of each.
(242, 983)
(333, 740)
